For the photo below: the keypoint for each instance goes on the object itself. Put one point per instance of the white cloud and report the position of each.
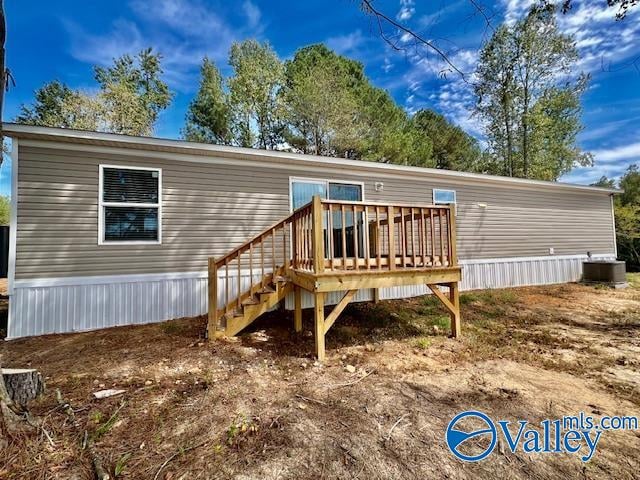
(442, 13)
(252, 13)
(616, 154)
(169, 27)
(452, 95)
(407, 10)
(601, 40)
(387, 66)
(612, 162)
(345, 44)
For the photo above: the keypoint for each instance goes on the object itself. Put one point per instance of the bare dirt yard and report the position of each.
(259, 407)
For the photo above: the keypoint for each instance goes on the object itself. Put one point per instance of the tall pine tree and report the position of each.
(208, 117)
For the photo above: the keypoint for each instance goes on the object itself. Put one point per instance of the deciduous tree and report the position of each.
(130, 97)
(253, 92)
(133, 92)
(627, 214)
(528, 97)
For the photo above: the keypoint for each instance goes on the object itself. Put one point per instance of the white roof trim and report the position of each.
(160, 144)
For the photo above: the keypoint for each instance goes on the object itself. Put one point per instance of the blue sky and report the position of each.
(64, 39)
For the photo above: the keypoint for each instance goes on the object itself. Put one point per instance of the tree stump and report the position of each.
(23, 385)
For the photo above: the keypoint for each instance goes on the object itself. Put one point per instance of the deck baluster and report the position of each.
(433, 237)
(355, 238)
(226, 283)
(330, 254)
(239, 280)
(413, 239)
(344, 237)
(391, 220)
(442, 250)
(365, 230)
(378, 237)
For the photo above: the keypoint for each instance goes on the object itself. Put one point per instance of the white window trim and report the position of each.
(326, 181)
(437, 190)
(102, 204)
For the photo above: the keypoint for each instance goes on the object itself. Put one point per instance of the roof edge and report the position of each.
(18, 131)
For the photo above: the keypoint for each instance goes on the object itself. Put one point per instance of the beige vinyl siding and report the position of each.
(209, 208)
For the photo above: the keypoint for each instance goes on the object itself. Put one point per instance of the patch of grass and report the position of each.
(422, 343)
(431, 306)
(108, 425)
(469, 298)
(440, 321)
(96, 416)
(171, 328)
(121, 464)
(239, 428)
(634, 279)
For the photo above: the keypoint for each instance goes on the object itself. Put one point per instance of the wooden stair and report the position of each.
(332, 245)
(263, 300)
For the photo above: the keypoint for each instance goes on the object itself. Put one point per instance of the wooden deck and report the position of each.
(329, 246)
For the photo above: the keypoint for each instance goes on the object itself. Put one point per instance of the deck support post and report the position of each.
(451, 303)
(454, 297)
(376, 295)
(297, 312)
(337, 310)
(318, 319)
(212, 318)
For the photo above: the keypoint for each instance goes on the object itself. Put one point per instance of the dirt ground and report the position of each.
(259, 407)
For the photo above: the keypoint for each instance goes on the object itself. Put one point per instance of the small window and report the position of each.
(130, 205)
(444, 197)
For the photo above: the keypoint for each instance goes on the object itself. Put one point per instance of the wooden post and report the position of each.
(376, 295)
(318, 235)
(453, 248)
(294, 243)
(391, 218)
(297, 312)
(454, 297)
(319, 324)
(212, 321)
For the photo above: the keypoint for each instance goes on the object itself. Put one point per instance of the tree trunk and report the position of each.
(22, 385)
(525, 133)
(506, 107)
(10, 421)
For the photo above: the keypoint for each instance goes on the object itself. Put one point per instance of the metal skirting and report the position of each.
(38, 310)
(90, 304)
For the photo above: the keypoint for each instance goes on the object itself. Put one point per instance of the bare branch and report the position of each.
(382, 18)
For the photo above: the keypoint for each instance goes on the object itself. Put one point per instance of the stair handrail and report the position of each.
(410, 243)
(231, 302)
(266, 232)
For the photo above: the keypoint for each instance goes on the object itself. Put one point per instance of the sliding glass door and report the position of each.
(302, 192)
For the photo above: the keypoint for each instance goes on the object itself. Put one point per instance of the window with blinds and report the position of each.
(130, 205)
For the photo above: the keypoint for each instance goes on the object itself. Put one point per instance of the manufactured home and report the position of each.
(113, 230)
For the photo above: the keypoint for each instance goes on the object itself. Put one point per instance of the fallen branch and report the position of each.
(87, 444)
(313, 400)
(348, 384)
(179, 452)
(402, 417)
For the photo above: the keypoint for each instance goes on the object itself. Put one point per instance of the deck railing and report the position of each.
(263, 257)
(366, 236)
(335, 235)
